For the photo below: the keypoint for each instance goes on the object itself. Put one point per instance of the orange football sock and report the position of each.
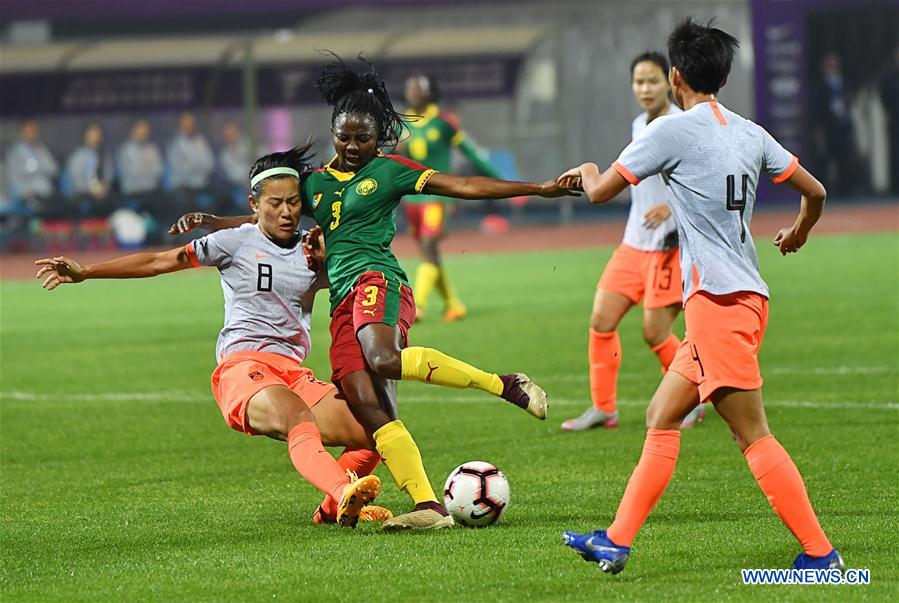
(605, 359)
(304, 443)
(666, 351)
(647, 482)
(781, 482)
(360, 462)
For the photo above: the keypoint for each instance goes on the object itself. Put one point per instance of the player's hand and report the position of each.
(551, 189)
(788, 240)
(572, 183)
(314, 248)
(656, 216)
(190, 222)
(59, 270)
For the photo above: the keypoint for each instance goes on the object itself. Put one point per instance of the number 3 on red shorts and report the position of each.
(372, 292)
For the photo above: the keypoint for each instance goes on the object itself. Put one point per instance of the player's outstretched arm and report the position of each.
(195, 219)
(60, 270)
(792, 238)
(476, 157)
(599, 187)
(481, 187)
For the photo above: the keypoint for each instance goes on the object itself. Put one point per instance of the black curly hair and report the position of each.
(702, 53)
(351, 91)
(296, 158)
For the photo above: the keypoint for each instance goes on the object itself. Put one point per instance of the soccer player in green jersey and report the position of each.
(432, 136)
(354, 199)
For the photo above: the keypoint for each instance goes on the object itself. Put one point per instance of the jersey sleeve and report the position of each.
(655, 149)
(409, 177)
(777, 162)
(217, 248)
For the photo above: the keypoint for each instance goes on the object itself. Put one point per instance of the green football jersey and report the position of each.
(357, 213)
(431, 140)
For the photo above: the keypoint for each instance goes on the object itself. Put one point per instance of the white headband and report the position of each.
(273, 172)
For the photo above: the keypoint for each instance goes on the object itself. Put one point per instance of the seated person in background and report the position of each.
(190, 163)
(233, 158)
(140, 169)
(31, 172)
(89, 170)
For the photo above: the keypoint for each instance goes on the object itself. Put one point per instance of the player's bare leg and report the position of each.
(372, 400)
(775, 473)
(383, 348)
(604, 353)
(279, 413)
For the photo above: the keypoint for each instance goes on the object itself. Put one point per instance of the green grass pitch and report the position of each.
(120, 481)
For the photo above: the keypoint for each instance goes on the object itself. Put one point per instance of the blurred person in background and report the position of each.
(140, 170)
(31, 172)
(432, 136)
(889, 96)
(644, 268)
(190, 164)
(833, 135)
(233, 158)
(89, 170)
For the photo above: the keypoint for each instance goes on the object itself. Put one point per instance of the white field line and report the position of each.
(182, 396)
(777, 370)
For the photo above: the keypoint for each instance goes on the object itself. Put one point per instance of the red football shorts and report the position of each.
(242, 375)
(721, 346)
(426, 220)
(374, 298)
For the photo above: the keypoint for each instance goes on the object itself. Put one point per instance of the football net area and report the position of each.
(858, 577)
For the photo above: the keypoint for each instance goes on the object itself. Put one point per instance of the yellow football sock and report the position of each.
(446, 290)
(401, 457)
(425, 278)
(430, 366)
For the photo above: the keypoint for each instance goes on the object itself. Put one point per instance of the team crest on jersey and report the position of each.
(367, 186)
(433, 134)
(315, 199)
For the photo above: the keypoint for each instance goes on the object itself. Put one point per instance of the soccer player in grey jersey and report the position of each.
(711, 158)
(260, 384)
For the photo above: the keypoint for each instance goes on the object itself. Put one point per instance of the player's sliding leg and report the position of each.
(373, 401)
(278, 412)
(776, 475)
(604, 356)
(610, 548)
(339, 427)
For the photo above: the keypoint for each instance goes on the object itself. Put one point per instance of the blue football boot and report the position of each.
(830, 561)
(595, 546)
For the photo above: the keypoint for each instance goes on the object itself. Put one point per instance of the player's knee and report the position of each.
(654, 335)
(602, 324)
(385, 363)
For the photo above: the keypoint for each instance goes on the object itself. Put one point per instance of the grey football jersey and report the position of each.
(711, 158)
(268, 292)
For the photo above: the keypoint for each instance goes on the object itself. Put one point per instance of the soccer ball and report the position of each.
(476, 494)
